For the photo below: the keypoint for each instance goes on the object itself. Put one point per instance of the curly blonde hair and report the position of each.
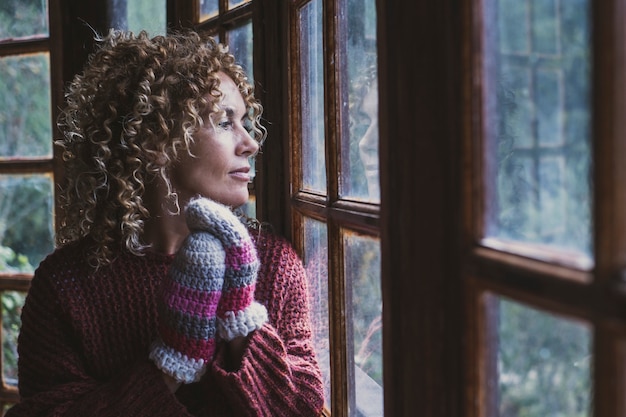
(136, 105)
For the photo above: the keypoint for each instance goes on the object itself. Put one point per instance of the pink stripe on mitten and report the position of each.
(238, 314)
(191, 301)
(188, 305)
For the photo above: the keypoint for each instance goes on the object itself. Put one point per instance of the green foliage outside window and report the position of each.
(19, 18)
(544, 364)
(12, 302)
(25, 116)
(26, 233)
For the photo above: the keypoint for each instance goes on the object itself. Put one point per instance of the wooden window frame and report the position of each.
(20, 282)
(71, 24)
(187, 14)
(330, 208)
(597, 295)
(434, 267)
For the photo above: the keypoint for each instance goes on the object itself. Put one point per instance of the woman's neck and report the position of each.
(165, 232)
(166, 228)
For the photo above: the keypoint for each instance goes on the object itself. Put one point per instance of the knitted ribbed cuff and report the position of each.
(241, 323)
(175, 364)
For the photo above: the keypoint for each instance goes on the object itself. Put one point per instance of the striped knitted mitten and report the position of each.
(238, 313)
(188, 305)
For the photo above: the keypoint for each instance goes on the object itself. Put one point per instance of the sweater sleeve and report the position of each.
(279, 374)
(54, 379)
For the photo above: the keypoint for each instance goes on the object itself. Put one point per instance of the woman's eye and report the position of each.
(225, 124)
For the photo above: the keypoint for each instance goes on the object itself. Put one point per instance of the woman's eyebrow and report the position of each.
(225, 111)
(230, 112)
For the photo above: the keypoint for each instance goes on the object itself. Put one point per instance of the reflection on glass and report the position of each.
(364, 179)
(25, 116)
(360, 151)
(208, 9)
(12, 303)
(240, 45)
(20, 18)
(148, 15)
(544, 363)
(234, 3)
(362, 266)
(538, 111)
(26, 230)
(312, 97)
(316, 265)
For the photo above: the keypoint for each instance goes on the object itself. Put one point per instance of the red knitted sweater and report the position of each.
(84, 343)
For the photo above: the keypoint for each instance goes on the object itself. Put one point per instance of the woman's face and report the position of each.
(368, 145)
(220, 168)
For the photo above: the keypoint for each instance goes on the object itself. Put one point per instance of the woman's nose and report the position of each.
(369, 141)
(249, 145)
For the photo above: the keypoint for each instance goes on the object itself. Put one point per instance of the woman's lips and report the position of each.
(241, 174)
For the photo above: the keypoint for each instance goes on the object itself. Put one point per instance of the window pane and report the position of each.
(360, 150)
(312, 97)
(148, 15)
(538, 123)
(234, 3)
(25, 117)
(12, 303)
(26, 230)
(22, 18)
(544, 363)
(208, 9)
(240, 45)
(362, 266)
(316, 264)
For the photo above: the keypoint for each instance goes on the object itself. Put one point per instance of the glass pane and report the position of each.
(148, 15)
(360, 150)
(23, 18)
(25, 116)
(539, 117)
(26, 229)
(544, 363)
(316, 264)
(234, 3)
(208, 9)
(12, 303)
(249, 208)
(312, 97)
(362, 266)
(240, 45)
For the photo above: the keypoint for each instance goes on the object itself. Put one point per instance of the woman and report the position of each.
(157, 139)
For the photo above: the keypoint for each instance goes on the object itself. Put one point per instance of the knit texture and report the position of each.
(238, 313)
(217, 263)
(84, 344)
(187, 308)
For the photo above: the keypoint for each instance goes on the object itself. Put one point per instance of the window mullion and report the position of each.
(333, 94)
(609, 177)
(609, 89)
(342, 397)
